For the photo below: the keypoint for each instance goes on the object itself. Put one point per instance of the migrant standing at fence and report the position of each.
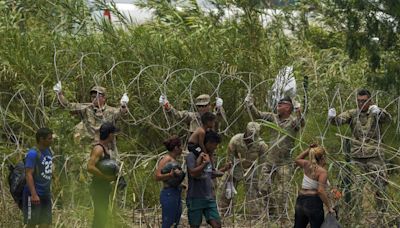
(278, 164)
(201, 196)
(170, 172)
(38, 172)
(193, 119)
(247, 151)
(309, 204)
(366, 151)
(104, 171)
(93, 115)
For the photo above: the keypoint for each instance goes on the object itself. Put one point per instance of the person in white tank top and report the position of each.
(312, 196)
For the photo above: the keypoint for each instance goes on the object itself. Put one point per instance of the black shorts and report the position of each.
(37, 214)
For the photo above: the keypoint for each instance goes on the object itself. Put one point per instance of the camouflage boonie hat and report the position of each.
(98, 89)
(203, 99)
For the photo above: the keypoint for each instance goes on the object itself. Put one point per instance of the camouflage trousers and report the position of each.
(253, 206)
(275, 189)
(367, 184)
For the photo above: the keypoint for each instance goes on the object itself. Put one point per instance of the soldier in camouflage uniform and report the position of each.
(247, 151)
(93, 115)
(366, 152)
(278, 165)
(192, 119)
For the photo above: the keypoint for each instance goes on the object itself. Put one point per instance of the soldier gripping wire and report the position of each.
(366, 152)
(192, 119)
(279, 162)
(93, 115)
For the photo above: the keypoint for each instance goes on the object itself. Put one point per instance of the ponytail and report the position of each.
(315, 154)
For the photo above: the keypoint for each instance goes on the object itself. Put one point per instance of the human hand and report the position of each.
(248, 100)
(177, 172)
(57, 87)
(219, 102)
(163, 100)
(331, 113)
(336, 194)
(228, 166)
(124, 100)
(374, 109)
(205, 157)
(35, 199)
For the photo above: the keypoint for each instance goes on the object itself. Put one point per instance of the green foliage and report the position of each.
(182, 53)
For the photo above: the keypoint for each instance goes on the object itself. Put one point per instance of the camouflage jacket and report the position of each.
(366, 131)
(246, 154)
(192, 119)
(282, 140)
(91, 119)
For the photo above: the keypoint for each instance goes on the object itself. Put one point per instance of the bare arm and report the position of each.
(95, 156)
(300, 159)
(322, 179)
(226, 167)
(197, 171)
(202, 134)
(31, 185)
(162, 177)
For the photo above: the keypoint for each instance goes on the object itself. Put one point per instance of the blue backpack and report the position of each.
(17, 181)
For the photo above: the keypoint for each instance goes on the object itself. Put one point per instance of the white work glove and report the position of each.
(331, 113)
(219, 102)
(124, 100)
(230, 190)
(163, 100)
(374, 109)
(248, 100)
(57, 87)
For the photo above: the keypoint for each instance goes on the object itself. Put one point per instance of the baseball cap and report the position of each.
(286, 99)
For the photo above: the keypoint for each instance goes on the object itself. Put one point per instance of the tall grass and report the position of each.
(182, 57)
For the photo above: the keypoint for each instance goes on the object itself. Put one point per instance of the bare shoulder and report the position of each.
(97, 150)
(322, 172)
(166, 159)
(201, 130)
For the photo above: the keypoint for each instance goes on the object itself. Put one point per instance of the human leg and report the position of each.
(170, 199)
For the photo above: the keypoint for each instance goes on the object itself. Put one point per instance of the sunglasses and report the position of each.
(202, 106)
(93, 96)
